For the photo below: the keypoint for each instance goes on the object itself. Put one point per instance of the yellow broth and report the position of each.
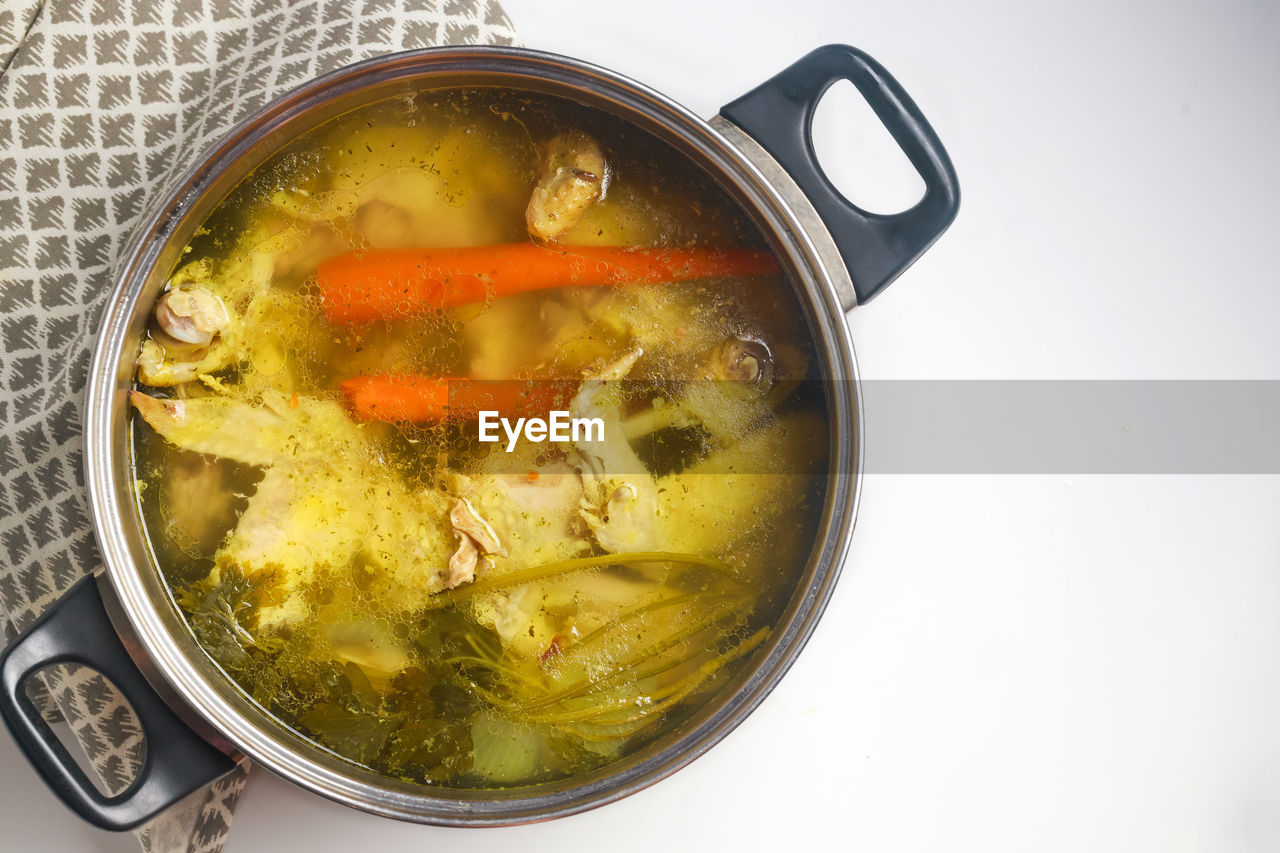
(315, 554)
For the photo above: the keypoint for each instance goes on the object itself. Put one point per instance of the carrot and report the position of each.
(358, 288)
(398, 397)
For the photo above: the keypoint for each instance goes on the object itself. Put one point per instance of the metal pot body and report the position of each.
(198, 722)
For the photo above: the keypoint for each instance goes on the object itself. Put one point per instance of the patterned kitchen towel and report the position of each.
(103, 104)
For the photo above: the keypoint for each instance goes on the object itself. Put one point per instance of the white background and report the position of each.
(1008, 664)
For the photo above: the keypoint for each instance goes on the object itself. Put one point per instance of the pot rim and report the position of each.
(778, 208)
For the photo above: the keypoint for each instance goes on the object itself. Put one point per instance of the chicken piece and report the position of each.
(475, 537)
(533, 512)
(628, 522)
(190, 316)
(159, 369)
(577, 329)
(429, 184)
(561, 338)
(198, 504)
(726, 410)
(744, 360)
(548, 493)
(670, 319)
(518, 618)
(574, 176)
(265, 252)
(467, 522)
(219, 426)
(162, 366)
(736, 386)
(264, 527)
(682, 320)
(462, 563)
(286, 532)
(620, 499)
(324, 503)
(537, 621)
(407, 538)
(743, 492)
(231, 298)
(325, 206)
(370, 644)
(627, 217)
(536, 514)
(194, 332)
(283, 324)
(309, 519)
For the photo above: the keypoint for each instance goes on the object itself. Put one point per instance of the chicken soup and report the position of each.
(477, 435)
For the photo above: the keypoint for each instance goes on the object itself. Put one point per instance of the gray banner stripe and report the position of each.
(912, 427)
(1072, 427)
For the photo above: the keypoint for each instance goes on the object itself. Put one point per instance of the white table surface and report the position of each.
(1009, 663)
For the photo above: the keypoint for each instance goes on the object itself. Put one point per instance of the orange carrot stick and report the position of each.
(398, 397)
(358, 288)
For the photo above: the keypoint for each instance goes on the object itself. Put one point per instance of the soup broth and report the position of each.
(354, 550)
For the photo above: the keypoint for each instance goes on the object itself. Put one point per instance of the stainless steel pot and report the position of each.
(197, 721)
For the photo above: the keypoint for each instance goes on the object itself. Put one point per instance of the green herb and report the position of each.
(358, 735)
(431, 750)
(221, 612)
(361, 686)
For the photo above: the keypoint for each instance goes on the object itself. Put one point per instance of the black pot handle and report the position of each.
(779, 115)
(76, 629)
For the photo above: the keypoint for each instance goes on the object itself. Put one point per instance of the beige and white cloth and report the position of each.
(103, 104)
